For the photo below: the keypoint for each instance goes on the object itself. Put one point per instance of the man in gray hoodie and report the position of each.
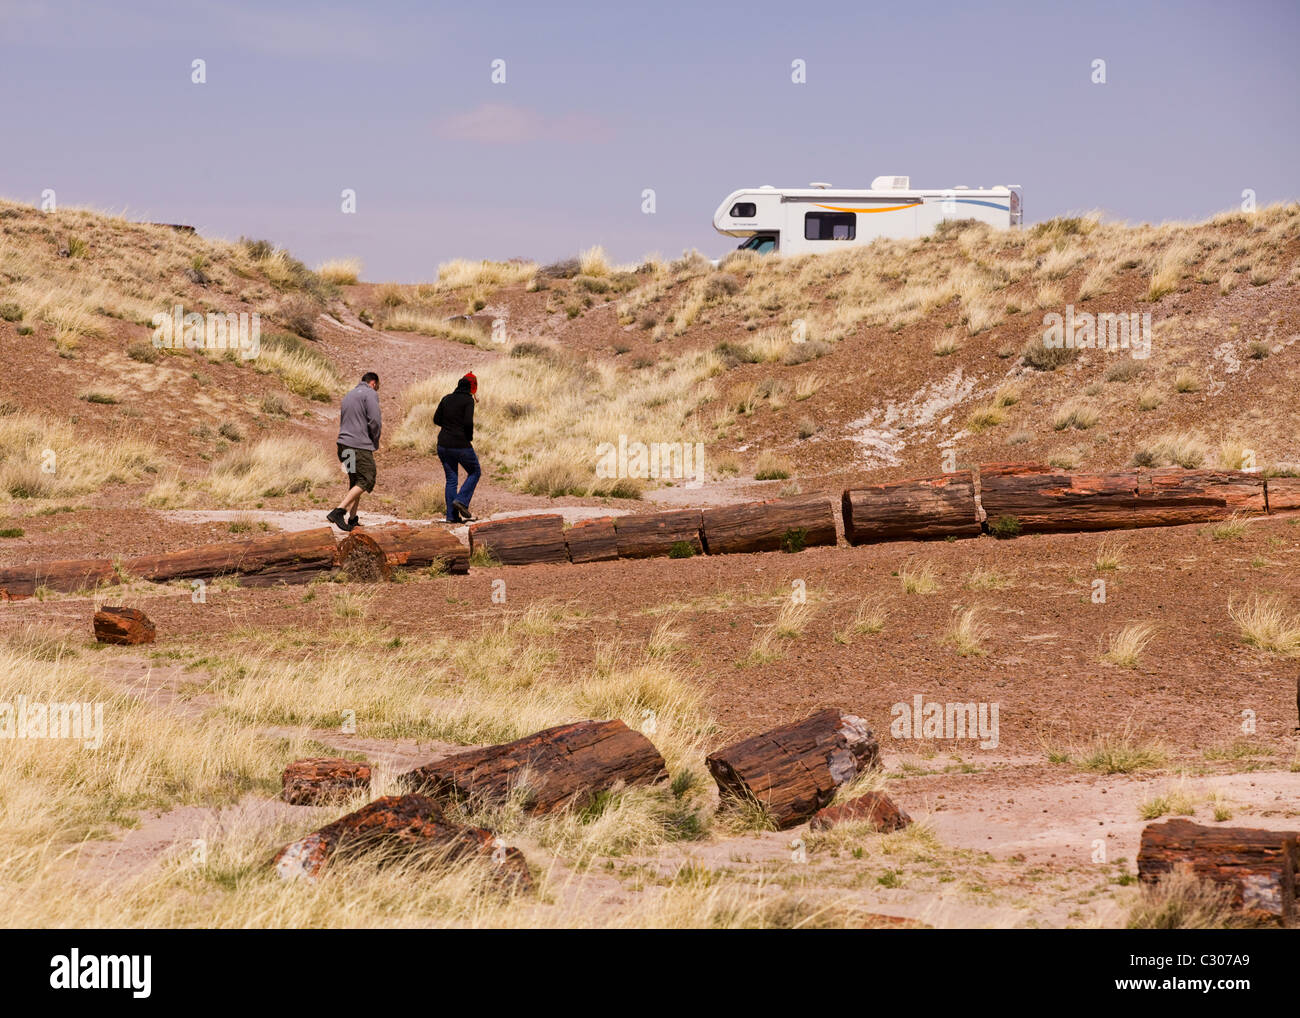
(359, 428)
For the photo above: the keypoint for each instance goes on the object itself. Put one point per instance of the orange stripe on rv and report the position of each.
(887, 208)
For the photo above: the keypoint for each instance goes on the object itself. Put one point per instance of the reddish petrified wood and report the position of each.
(787, 524)
(1260, 867)
(520, 540)
(293, 557)
(123, 626)
(793, 771)
(372, 553)
(592, 540)
(400, 827)
(926, 508)
(563, 766)
(322, 780)
(874, 808)
(1057, 500)
(67, 576)
(652, 534)
(1283, 493)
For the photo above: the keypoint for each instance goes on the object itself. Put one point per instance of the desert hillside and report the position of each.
(1174, 695)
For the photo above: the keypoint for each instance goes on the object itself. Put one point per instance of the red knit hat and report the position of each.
(473, 382)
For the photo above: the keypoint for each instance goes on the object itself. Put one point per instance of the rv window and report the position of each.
(830, 226)
(744, 210)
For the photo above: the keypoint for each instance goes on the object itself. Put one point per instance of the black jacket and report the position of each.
(455, 418)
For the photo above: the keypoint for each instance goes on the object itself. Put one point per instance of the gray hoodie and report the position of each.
(359, 422)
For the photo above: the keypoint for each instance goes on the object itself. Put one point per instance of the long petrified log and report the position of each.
(1056, 500)
(320, 780)
(294, 557)
(592, 540)
(784, 524)
(374, 552)
(561, 766)
(651, 534)
(66, 576)
(400, 827)
(125, 626)
(793, 771)
(1260, 867)
(922, 509)
(520, 540)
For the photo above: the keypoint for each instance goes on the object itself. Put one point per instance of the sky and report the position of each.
(396, 102)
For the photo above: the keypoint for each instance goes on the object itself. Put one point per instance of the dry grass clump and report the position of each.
(303, 368)
(1080, 416)
(1182, 449)
(41, 458)
(268, 469)
(460, 273)
(1180, 900)
(968, 633)
(1122, 752)
(431, 323)
(1266, 623)
(772, 466)
(1126, 647)
(552, 425)
(917, 578)
(340, 271)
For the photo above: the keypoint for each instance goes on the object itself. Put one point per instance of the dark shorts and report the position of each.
(362, 467)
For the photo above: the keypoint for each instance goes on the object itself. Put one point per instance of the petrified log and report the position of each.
(520, 540)
(793, 771)
(563, 766)
(321, 780)
(1057, 500)
(788, 524)
(922, 509)
(1283, 493)
(123, 626)
(651, 534)
(874, 808)
(592, 540)
(372, 553)
(1260, 867)
(295, 557)
(400, 827)
(67, 576)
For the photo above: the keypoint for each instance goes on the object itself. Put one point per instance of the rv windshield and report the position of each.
(761, 244)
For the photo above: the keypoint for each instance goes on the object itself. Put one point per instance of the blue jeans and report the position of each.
(452, 460)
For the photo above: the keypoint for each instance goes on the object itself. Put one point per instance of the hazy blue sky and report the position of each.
(395, 100)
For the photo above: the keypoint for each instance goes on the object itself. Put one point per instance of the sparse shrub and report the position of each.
(806, 427)
(103, 398)
(1126, 370)
(1149, 399)
(298, 315)
(794, 540)
(273, 405)
(11, 312)
(1004, 527)
(230, 430)
(1040, 357)
(1257, 351)
(681, 549)
(144, 351)
(1187, 381)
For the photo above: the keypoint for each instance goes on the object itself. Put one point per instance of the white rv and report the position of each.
(820, 218)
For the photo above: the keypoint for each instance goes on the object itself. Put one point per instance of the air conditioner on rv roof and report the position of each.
(892, 184)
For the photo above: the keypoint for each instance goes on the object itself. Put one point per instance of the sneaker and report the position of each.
(337, 518)
(463, 512)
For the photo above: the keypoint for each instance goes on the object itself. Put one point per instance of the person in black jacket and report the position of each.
(455, 419)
